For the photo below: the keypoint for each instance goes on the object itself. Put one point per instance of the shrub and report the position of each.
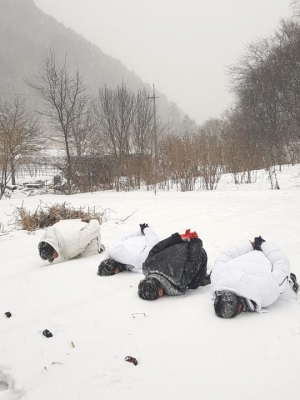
(47, 215)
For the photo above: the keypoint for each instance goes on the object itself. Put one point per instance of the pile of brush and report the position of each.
(48, 214)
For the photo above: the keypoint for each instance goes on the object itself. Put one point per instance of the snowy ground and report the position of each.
(183, 349)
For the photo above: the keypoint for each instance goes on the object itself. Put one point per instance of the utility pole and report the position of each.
(153, 97)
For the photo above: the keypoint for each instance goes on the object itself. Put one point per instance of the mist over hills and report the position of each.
(27, 33)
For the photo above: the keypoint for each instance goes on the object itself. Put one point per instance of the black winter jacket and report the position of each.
(179, 265)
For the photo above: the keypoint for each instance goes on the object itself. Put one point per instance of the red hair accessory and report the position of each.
(188, 234)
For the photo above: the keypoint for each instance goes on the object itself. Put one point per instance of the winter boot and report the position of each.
(102, 248)
(295, 286)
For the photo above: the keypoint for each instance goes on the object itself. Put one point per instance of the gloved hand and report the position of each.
(258, 241)
(143, 226)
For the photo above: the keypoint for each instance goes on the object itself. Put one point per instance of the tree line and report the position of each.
(107, 141)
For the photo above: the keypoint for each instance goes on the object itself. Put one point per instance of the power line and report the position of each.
(19, 94)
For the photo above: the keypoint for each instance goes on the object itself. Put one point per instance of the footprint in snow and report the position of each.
(7, 388)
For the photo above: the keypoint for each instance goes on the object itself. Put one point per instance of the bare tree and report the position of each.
(19, 138)
(180, 159)
(65, 103)
(142, 136)
(210, 153)
(257, 80)
(115, 110)
(295, 5)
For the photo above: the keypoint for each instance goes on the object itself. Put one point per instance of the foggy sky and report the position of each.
(181, 46)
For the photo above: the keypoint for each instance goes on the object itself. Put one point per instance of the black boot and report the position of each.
(295, 286)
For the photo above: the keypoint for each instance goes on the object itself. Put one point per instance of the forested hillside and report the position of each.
(26, 34)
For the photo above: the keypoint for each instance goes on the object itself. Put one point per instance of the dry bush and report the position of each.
(47, 215)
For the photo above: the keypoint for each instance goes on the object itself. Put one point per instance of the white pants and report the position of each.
(92, 248)
(288, 293)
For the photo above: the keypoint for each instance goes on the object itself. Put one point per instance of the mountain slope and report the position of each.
(26, 34)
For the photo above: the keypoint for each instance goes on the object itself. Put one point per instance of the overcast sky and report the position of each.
(182, 46)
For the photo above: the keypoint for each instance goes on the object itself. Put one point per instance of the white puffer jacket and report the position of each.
(261, 276)
(72, 237)
(132, 249)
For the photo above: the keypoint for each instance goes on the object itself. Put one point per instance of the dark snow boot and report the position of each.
(295, 286)
(102, 248)
(258, 242)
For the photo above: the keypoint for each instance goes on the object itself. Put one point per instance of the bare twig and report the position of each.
(139, 313)
(122, 220)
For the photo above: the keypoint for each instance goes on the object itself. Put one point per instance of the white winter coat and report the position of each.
(261, 276)
(132, 249)
(72, 237)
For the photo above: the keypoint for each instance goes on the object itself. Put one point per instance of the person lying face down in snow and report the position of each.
(71, 238)
(173, 266)
(251, 276)
(129, 252)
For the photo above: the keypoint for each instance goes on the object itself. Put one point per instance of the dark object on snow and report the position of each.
(148, 288)
(295, 286)
(226, 304)
(102, 248)
(258, 241)
(46, 251)
(107, 267)
(47, 333)
(132, 360)
(8, 314)
(177, 264)
(143, 226)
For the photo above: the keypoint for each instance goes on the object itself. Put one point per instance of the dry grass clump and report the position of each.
(47, 215)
